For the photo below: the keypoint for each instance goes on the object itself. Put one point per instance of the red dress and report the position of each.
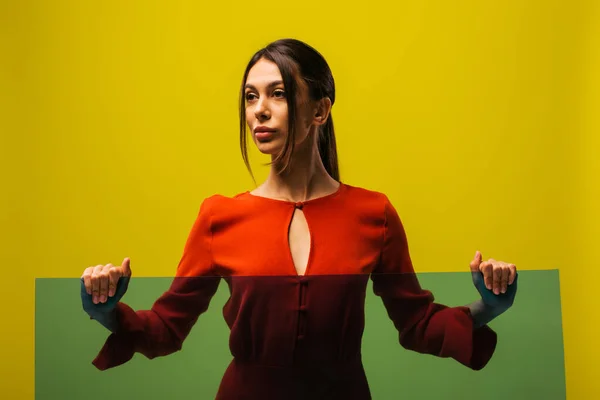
(297, 337)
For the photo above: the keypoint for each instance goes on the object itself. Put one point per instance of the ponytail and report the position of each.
(328, 150)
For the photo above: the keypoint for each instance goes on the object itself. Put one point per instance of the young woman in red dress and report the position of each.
(296, 253)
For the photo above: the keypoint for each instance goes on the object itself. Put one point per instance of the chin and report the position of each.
(271, 147)
(268, 148)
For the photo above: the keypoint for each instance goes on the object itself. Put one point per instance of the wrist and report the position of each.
(108, 319)
(495, 309)
(483, 313)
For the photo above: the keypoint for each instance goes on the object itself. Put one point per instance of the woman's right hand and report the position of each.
(103, 286)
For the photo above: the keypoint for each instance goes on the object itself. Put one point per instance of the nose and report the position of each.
(261, 112)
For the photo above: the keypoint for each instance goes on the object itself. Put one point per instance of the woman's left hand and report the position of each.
(496, 281)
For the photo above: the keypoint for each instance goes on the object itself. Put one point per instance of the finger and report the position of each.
(497, 278)
(486, 270)
(114, 274)
(87, 279)
(104, 283)
(504, 278)
(513, 273)
(476, 262)
(126, 266)
(96, 283)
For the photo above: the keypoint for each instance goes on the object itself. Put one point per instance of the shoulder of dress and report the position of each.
(223, 205)
(218, 198)
(368, 197)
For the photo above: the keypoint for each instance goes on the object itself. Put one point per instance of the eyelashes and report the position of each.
(278, 94)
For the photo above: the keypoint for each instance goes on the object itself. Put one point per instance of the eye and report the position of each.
(250, 96)
(279, 93)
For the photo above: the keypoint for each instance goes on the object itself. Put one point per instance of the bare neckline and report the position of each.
(327, 196)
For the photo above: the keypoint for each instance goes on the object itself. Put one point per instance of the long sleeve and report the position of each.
(162, 329)
(423, 325)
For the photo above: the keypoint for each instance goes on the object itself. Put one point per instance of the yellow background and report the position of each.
(479, 120)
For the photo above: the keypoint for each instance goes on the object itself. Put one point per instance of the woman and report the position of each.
(296, 253)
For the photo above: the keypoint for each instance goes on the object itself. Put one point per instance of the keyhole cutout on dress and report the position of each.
(299, 241)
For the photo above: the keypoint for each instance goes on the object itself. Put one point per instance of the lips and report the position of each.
(260, 129)
(263, 133)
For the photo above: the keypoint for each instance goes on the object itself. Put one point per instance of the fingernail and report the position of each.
(95, 299)
(103, 298)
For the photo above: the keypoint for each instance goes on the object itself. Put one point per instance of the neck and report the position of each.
(305, 178)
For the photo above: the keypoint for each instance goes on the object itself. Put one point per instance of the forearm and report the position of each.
(482, 314)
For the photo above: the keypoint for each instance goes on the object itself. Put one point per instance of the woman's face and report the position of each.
(267, 111)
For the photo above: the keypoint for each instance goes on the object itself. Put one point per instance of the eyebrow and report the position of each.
(270, 85)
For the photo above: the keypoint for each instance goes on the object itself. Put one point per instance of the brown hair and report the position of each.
(293, 56)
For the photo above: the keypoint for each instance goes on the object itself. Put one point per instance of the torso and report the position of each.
(340, 233)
